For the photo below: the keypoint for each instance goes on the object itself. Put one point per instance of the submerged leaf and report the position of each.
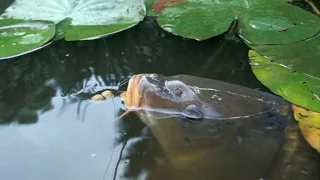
(19, 37)
(260, 21)
(298, 88)
(309, 124)
(89, 19)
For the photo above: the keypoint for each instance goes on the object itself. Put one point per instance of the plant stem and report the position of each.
(314, 7)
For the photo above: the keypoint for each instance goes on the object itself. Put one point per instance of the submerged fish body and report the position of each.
(208, 127)
(191, 96)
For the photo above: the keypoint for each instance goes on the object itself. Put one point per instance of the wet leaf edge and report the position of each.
(50, 32)
(293, 86)
(248, 40)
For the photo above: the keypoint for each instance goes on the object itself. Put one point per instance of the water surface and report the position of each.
(49, 129)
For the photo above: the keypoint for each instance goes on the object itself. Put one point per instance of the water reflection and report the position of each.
(51, 131)
(59, 147)
(81, 68)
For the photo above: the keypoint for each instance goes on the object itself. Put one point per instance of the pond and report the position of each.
(50, 130)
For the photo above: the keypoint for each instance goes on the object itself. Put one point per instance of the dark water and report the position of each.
(49, 129)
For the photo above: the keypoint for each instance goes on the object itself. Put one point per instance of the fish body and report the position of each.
(210, 129)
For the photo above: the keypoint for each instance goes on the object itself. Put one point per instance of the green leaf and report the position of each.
(296, 87)
(19, 37)
(78, 32)
(96, 18)
(154, 7)
(303, 56)
(150, 10)
(62, 28)
(260, 21)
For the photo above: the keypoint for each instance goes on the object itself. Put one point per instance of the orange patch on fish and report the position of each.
(131, 97)
(309, 123)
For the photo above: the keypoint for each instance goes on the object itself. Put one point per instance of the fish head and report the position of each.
(162, 97)
(194, 98)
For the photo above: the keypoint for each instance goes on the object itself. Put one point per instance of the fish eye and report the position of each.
(178, 92)
(193, 112)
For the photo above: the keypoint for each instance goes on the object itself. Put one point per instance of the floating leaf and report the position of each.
(62, 28)
(149, 8)
(19, 37)
(309, 124)
(296, 87)
(260, 21)
(303, 56)
(158, 5)
(86, 19)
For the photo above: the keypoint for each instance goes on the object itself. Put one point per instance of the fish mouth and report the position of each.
(132, 97)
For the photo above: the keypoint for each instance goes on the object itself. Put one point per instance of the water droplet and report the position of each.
(19, 33)
(31, 39)
(4, 34)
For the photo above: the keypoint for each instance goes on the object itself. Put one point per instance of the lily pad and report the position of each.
(19, 37)
(149, 9)
(260, 21)
(301, 56)
(296, 87)
(86, 19)
(154, 7)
